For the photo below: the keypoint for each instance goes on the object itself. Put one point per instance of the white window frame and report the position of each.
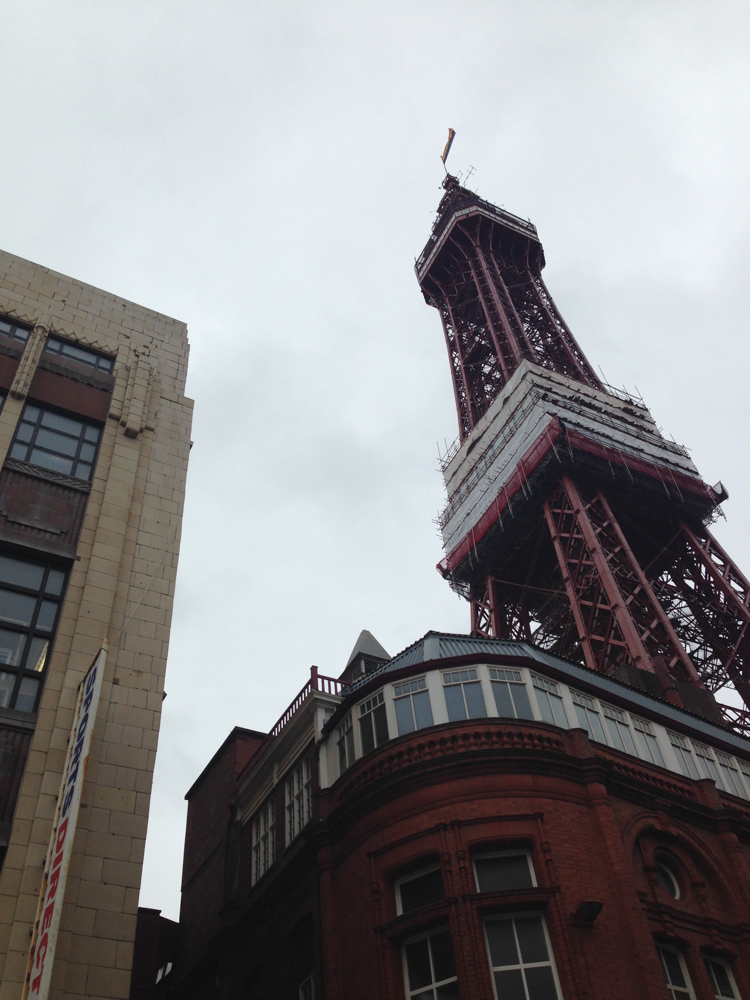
(688, 989)
(681, 743)
(369, 707)
(433, 932)
(588, 704)
(552, 688)
(706, 763)
(728, 969)
(646, 730)
(405, 690)
(486, 855)
(727, 763)
(469, 679)
(410, 877)
(307, 988)
(531, 965)
(264, 839)
(511, 677)
(298, 798)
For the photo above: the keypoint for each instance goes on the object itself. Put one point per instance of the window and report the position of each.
(675, 973)
(463, 695)
(620, 736)
(62, 444)
(307, 989)
(684, 757)
(30, 595)
(520, 959)
(373, 723)
(745, 768)
(264, 839)
(706, 763)
(421, 889)
(722, 979)
(501, 872)
(511, 696)
(549, 701)
(298, 799)
(667, 879)
(646, 742)
(345, 744)
(730, 777)
(588, 716)
(430, 968)
(66, 349)
(8, 328)
(412, 704)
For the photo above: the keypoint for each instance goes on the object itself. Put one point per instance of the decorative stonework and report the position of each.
(29, 360)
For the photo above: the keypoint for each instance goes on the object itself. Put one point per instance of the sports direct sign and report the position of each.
(42, 954)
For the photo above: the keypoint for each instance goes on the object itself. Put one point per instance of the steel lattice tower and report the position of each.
(571, 521)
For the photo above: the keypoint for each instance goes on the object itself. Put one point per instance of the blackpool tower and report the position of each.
(571, 521)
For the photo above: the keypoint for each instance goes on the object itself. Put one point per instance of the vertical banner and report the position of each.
(52, 893)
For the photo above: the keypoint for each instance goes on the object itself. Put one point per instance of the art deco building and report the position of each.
(94, 441)
(554, 806)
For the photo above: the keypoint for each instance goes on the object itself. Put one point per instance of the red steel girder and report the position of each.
(616, 611)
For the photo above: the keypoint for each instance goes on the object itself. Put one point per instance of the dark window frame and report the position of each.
(84, 439)
(32, 631)
(99, 362)
(14, 328)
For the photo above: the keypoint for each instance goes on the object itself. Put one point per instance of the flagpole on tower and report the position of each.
(449, 143)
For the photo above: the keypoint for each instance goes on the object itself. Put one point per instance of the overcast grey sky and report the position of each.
(267, 172)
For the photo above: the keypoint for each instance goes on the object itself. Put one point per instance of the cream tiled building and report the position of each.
(94, 443)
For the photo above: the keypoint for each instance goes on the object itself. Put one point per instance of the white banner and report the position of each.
(52, 893)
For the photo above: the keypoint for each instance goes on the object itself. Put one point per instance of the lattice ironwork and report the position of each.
(486, 284)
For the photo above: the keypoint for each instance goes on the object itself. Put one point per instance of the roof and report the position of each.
(443, 646)
(367, 645)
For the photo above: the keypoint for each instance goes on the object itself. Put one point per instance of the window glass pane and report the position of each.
(18, 451)
(720, 980)
(49, 461)
(509, 985)
(502, 873)
(87, 452)
(22, 574)
(60, 423)
(6, 688)
(16, 608)
(11, 647)
(30, 413)
(418, 964)
(91, 434)
(421, 891)
(448, 992)
(83, 471)
(521, 701)
(502, 942)
(442, 956)
(366, 734)
(531, 939)
(541, 983)
(503, 701)
(475, 701)
(454, 702)
(37, 654)
(422, 709)
(404, 718)
(673, 968)
(46, 617)
(55, 581)
(27, 694)
(53, 441)
(381, 725)
(24, 432)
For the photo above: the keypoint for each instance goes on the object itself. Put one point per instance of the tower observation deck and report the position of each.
(571, 521)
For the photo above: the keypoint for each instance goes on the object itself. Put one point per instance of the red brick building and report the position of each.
(472, 812)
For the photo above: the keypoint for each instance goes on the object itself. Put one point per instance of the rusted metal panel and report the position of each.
(41, 509)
